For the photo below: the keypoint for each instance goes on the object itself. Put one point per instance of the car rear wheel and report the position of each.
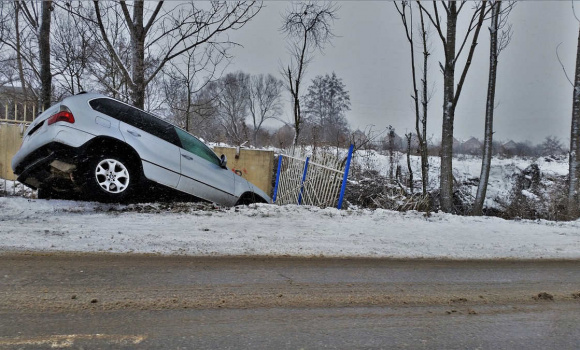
(110, 178)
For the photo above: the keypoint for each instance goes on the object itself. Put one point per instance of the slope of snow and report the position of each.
(269, 230)
(466, 167)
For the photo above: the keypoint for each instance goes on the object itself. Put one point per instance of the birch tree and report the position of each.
(574, 157)
(447, 32)
(496, 45)
(307, 26)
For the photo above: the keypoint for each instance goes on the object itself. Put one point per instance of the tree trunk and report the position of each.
(409, 135)
(424, 102)
(574, 163)
(446, 180)
(297, 116)
(18, 50)
(391, 153)
(138, 56)
(44, 55)
(488, 138)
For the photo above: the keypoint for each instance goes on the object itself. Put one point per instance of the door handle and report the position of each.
(187, 157)
(134, 133)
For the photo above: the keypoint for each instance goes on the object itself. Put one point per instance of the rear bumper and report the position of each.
(36, 168)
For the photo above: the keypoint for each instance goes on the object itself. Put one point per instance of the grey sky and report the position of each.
(371, 55)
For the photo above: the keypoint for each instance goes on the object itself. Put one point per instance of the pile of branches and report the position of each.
(371, 190)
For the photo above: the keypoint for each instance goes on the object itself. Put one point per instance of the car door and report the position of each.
(201, 173)
(156, 142)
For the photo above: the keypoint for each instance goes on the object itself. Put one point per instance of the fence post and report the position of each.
(277, 178)
(303, 179)
(346, 169)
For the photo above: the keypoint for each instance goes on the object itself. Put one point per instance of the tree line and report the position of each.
(166, 58)
(459, 46)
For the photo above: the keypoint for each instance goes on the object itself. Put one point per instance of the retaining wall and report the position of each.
(10, 141)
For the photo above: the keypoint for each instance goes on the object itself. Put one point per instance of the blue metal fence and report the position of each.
(318, 180)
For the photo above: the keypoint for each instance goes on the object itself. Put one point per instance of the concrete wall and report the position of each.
(255, 166)
(10, 141)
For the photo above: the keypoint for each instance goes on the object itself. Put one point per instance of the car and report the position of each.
(93, 146)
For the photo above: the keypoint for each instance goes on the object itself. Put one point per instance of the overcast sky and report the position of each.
(371, 55)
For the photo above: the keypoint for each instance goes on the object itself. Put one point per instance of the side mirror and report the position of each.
(223, 161)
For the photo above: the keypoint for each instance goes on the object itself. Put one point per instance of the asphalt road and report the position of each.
(152, 302)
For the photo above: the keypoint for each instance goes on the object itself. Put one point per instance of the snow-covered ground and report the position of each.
(270, 230)
(503, 171)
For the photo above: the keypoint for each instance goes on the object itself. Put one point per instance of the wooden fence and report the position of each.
(11, 112)
(10, 141)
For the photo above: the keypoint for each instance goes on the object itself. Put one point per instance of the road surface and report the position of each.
(152, 302)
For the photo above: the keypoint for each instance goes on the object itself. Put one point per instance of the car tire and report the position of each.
(110, 179)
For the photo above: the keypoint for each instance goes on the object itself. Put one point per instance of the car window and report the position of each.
(137, 118)
(155, 126)
(192, 144)
(112, 108)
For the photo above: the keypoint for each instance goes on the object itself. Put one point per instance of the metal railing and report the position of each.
(318, 180)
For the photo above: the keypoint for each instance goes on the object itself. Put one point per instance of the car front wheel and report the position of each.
(110, 178)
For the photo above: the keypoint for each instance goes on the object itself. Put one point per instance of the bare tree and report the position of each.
(159, 35)
(496, 45)
(420, 115)
(447, 32)
(183, 81)
(72, 55)
(574, 162)
(307, 26)
(229, 96)
(264, 101)
(8, 71)
(551, 147)
(20, 22)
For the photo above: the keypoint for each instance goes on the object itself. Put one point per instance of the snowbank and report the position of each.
(269, 230)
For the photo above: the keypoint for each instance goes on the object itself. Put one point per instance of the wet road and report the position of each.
(129, 301)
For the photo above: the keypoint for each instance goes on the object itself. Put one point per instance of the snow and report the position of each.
(501, 176)
(270, 230)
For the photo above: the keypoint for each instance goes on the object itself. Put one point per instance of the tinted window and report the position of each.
(111, 108)
(136, 118)
(192, 144)
(155, 126)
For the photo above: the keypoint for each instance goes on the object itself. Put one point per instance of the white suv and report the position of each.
(92, 145)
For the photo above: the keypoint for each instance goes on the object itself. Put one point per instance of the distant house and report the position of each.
(359, 137)
(472, 146)
(456, 145)
(16, 106)
(509, 148)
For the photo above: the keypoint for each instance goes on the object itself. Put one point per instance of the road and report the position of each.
(151, 302)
